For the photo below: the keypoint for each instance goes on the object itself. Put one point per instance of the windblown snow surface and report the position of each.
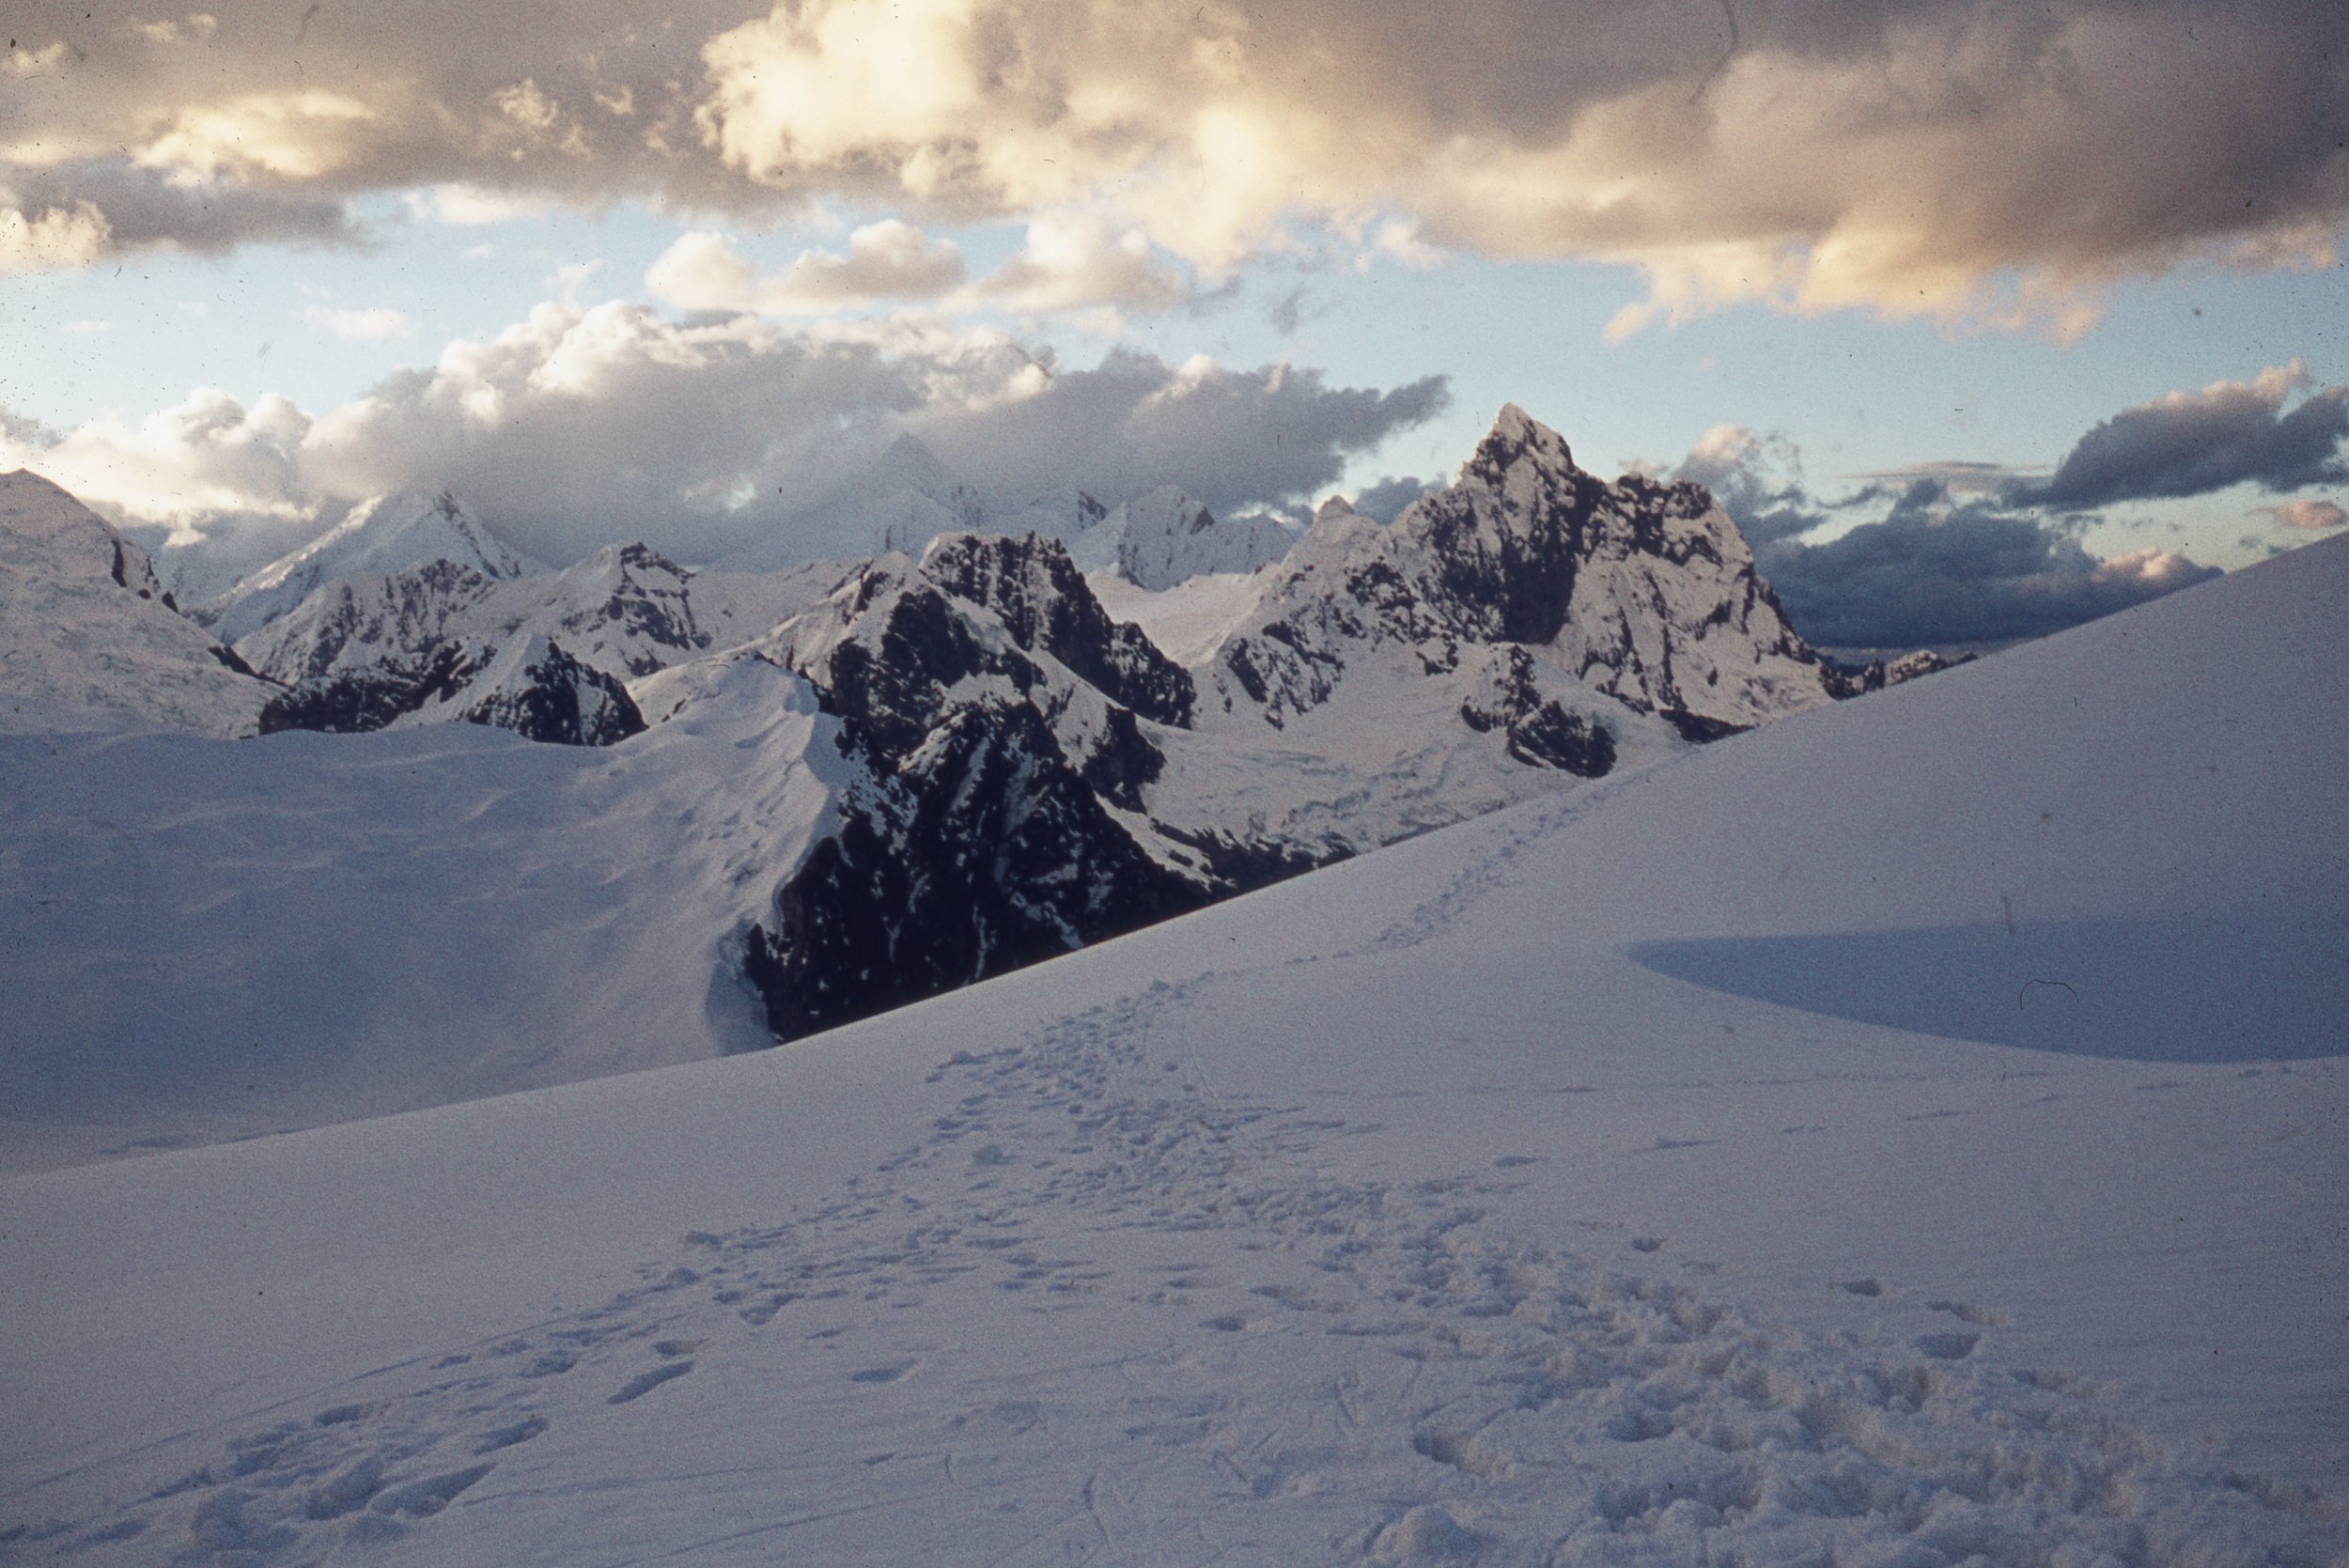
(1911, 1133)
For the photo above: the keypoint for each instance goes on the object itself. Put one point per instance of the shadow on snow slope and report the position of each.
(2181, 988)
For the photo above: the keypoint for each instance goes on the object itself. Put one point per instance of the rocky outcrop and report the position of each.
(433, 642)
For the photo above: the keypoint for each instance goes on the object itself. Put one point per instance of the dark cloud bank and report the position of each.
(1941, 565)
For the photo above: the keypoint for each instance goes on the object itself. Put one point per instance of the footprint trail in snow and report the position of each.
(1098, 1314)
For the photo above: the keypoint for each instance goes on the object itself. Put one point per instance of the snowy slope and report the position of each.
(385, 535)
(202, 940)
(1188, 621)
(88, 637)
(1421, 1209)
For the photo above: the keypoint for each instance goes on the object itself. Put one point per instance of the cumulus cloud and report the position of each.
(2193, 443)
(1758, 480)
(1229, 438)
(885, 260)
(1965, 158)
(48, 238)
(1072, 260)
(2308, 514)
(580, 426)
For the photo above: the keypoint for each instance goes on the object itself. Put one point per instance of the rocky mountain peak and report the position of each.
(1641, 591)
(1516, 436)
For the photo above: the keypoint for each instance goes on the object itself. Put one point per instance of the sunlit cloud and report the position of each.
(884, 260)
(2310, 514)
(1978, 163)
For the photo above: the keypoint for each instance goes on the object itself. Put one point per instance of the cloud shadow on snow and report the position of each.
(2178, 988)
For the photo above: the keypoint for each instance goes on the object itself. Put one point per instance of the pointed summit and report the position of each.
(1515, 435)
(908, 464)
(385, 535)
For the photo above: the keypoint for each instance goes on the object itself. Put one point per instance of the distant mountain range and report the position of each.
(1002, 771)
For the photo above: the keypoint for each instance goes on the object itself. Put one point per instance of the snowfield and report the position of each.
(1911, 1133)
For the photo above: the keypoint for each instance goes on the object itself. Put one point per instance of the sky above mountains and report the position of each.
(1980, 317)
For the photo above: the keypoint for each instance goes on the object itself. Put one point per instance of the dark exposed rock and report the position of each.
(542, 694)
(1001, 722)
(983, 853)
(227, 657)
(1035, 590)
(356, 701)
(1541, 731)
(1854, 680)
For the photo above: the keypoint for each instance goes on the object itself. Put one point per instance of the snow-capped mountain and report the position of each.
(389, 533)
(998, 735)
(1065, 515)
(367, 651)
(1159, 540)
(88, 633)
(1642, 592)
(535, 688)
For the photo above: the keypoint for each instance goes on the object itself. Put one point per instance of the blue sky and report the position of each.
(1806, 231)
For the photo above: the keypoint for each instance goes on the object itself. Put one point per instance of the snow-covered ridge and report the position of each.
(371, 650)
(87, 635)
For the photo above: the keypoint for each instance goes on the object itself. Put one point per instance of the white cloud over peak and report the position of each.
(581, 427)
